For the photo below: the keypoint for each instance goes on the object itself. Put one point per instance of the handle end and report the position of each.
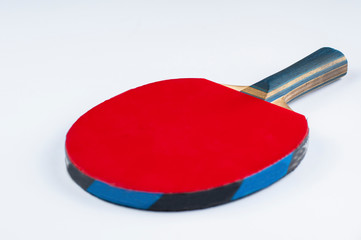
(316, 70)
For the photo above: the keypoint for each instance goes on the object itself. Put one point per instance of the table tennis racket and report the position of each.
(191, 143)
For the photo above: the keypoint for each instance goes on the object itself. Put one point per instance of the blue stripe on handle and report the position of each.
(307, 79)
(309, 63)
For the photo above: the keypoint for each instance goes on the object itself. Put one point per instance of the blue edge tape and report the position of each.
(145, 200)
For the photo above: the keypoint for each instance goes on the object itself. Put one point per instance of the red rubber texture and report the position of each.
(181, 135)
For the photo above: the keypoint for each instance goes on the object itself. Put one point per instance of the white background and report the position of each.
(60, 58)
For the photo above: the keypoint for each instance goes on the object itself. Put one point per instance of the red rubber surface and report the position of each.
(181, 135)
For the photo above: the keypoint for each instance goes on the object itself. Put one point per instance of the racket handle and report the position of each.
(314, 71)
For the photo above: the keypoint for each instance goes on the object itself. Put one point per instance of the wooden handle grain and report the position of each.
(316, 70)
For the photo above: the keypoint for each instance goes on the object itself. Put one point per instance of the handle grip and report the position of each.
(316, 70)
